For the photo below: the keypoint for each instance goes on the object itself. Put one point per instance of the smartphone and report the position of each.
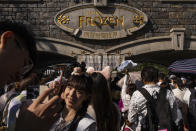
(33, 91)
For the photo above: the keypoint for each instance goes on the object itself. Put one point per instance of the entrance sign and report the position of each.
(101, 23)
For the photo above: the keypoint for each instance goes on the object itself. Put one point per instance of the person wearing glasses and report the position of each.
(17, 59)
(17, 52)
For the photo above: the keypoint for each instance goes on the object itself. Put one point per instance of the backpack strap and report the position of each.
(151, 118)
(145, 93)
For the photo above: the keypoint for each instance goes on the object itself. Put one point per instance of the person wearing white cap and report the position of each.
(171, 78)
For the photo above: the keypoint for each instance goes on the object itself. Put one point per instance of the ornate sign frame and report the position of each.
(101, 23)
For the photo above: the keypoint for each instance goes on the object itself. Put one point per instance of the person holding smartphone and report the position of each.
(18, 58)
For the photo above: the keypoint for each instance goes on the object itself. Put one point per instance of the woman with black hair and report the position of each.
(107, 114)
(76, 96)
(179, 89)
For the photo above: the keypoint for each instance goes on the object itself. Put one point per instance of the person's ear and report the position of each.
(5, 37)
(62, 95)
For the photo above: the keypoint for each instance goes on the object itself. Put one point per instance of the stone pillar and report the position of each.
(105, 60)
(177, 35)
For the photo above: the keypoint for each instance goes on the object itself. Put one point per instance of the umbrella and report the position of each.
(184, 66)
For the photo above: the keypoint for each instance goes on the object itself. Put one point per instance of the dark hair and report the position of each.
(83, 66)
(81, 82)
(161, 76)
(179, 83)
(165, 85)
(105, 110)
(149, 74)
(21, 30)
(190, 84)
(131, 88)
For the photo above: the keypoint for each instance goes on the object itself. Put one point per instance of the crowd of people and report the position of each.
(82, 99)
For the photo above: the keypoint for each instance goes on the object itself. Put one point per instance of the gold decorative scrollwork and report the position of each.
(118, 52)
(63, 19)
(138, 20)
(73, 54)
(83, 52)
(129, 54)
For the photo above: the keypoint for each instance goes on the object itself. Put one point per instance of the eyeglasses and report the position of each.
(18, 44)
(30, 64)
(28, 67)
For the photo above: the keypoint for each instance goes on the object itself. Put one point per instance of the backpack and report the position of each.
(192, 110)
(159, 116)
